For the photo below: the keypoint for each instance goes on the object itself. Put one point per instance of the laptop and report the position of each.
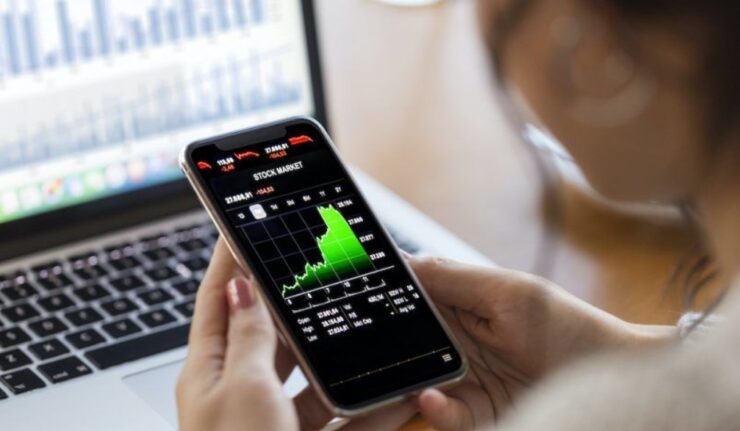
(102, 243)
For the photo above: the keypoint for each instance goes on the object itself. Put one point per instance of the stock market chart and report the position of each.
(324, 260)
(97, 96)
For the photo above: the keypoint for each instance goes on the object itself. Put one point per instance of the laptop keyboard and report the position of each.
(67, 318)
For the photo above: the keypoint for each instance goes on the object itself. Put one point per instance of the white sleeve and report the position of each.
(693, 324)
(689, 386)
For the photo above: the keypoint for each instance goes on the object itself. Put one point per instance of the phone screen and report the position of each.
(343, 291)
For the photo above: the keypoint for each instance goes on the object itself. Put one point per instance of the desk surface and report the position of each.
(411, 103)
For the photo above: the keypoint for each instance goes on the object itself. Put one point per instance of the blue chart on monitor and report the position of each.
(99, 38)
(97, 96)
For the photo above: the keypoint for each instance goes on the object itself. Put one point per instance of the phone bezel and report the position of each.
(214, 211)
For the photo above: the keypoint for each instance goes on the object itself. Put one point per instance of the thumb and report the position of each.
(444, 413)
(251, 339)
(457, 284)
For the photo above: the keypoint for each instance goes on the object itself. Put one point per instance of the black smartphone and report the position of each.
(364, 331)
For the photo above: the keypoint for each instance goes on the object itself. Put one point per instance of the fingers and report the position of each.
(210, 316)
(444, 413)
(455, 284)
(251, 336)
(207, 341)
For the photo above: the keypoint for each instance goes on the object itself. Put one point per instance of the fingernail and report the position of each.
(240, 294)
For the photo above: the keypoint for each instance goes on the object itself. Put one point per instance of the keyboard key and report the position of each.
(157, 318)
(48, 269)
(193, 245)
(84, 316)
(20, 312)
(91, 292)
(56, 302)
(187, 287)
(119, 306)
(22, 381)
(121, 328)
(186, 308)
(13, 359)
(159, 254)
(195, 264)
(155, 296)
(162, 273)
(48, 349)
(127, 283)
(18, 278)
(119, 251)
(188, 232)
(64, 369)
(3, 395)
(159, 240)
(137, 348)
(54, 281)
(47, 327)
(13, 336)
(84, 260)
(18, 292)
(91, 272)
(85, 338)
(125, 263)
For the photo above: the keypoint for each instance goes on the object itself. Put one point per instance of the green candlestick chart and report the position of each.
(342, 254)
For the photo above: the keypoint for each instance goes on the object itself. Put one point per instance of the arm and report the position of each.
(683, 387)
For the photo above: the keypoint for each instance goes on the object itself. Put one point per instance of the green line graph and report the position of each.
(342, 254)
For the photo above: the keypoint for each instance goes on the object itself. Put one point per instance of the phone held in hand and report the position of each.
(365, 333)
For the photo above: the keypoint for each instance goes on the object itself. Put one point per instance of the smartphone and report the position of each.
(364, 331)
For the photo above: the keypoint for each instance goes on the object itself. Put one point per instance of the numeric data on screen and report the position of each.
(325, 260)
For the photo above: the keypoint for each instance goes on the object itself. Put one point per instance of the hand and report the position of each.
(515, 328)
(233, 375)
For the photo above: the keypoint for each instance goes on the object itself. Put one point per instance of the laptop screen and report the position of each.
(97, 97)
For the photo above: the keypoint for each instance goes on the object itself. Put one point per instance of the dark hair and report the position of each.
(712, 27)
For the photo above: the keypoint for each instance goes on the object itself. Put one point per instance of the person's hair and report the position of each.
(713, 29)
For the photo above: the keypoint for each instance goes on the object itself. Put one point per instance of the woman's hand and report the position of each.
(515, 328)
(232, 379)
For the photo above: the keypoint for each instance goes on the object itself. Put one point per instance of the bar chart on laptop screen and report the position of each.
(97, 96)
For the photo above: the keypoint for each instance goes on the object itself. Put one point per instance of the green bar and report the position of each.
(342, 254)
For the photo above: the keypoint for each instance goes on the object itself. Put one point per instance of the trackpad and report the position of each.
(157, 388)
